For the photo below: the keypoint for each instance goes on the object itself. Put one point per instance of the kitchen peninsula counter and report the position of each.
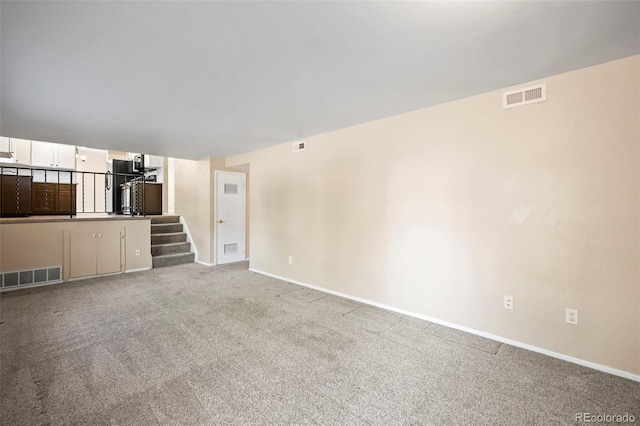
(85, 217)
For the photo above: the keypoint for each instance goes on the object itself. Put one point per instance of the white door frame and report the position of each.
(171, 185)
(215, 210)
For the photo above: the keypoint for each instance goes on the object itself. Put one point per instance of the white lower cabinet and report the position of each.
(95, 253)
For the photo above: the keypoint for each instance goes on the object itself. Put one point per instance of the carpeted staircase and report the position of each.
(169, 244)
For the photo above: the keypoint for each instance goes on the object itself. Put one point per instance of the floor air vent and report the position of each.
(528, 95)
(30, 277)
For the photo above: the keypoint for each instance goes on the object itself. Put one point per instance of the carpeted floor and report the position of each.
(221, 345)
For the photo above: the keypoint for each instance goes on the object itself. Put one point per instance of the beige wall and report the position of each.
(194, 201)
(444, 210)
(117, 155)
(38, 245)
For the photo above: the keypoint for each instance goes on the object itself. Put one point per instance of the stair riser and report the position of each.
(164, 228)
(168, 239)
(160, 262)
(165, 219)
(160, 250)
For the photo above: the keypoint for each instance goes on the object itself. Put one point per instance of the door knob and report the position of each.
(220, 221)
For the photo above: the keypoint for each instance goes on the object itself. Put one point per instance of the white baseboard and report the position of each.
(137, 270)
(185, 229)
(205, 263)
(568, 358)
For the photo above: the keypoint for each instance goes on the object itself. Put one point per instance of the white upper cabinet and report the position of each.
(53, 155)
(42, 154)
(153, 161)
(22, 153)
(17, 151)
(66, 157)
(5, 146)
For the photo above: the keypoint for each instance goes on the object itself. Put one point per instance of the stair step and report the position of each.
(165, 219)
(165, 228)
(172, 248)
(173, 259)
(174, 237)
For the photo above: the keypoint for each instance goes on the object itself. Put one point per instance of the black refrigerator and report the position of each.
(114, 181)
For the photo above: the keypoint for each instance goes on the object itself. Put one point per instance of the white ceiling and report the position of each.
(193, 79)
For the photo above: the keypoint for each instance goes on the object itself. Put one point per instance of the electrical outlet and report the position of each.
(137, 252)
(571, 316)
(508, 302)
(290, 260)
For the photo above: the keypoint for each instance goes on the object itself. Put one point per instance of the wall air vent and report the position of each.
(299, 146)
(30, 278)
(528, 95)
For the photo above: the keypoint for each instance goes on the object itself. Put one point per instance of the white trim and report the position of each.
(137, 270)
(87, 277)
(171, 185)
(215, 210)
(192, 247)
(102, 151)
(205, 263)
(231, 263)
(23, 286)
(568, 358)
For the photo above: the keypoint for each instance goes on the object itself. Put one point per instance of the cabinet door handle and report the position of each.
(94, 235)
(99, 235)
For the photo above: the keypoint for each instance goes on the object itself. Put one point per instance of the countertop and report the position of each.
(83, 217)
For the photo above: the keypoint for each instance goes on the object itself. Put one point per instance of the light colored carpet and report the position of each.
(221, 345)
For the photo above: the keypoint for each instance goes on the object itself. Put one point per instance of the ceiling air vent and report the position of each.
(299, 146)
(528, 95)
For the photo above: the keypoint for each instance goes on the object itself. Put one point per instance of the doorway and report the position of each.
(230, 216)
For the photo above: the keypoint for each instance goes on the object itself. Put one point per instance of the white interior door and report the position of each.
(230, 216)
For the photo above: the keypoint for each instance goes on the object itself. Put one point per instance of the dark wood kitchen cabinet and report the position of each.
(147, 200)
(54, 198)
(16, 195)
